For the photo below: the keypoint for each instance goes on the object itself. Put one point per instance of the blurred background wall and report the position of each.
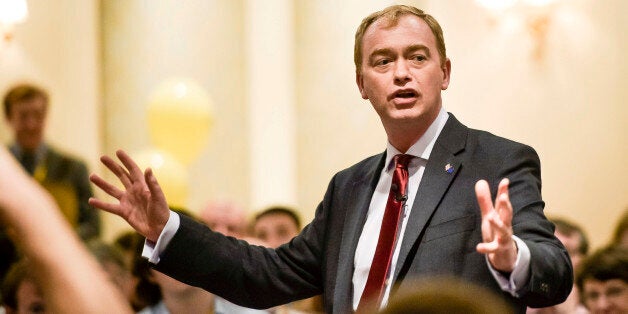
(285, 109)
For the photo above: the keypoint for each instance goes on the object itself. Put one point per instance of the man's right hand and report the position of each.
(141, 203)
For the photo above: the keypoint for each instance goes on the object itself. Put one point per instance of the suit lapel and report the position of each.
(359, 198)
(435, 182)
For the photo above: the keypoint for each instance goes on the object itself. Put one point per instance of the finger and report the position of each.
(155, 190)
(105, 186)
(487, 247)
(503, 187)
(501, 231)
(504, 208)
(114, 167)
(134, 170)
(108, 207)
(483, 194)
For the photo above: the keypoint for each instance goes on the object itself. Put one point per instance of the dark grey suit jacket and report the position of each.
(440, 238)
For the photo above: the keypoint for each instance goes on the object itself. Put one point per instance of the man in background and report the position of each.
(276, 225)
(65, 177)
(229, 219)
(603, 280)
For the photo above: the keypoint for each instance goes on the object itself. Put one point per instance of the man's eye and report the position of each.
(382, 62)
(592, 296)
(419, 58)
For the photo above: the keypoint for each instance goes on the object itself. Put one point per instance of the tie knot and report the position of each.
(402, 160)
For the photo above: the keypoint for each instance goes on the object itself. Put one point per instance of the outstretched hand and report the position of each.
(141, 203)
(497, 232)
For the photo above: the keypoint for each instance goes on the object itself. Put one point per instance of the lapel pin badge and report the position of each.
(449, 168)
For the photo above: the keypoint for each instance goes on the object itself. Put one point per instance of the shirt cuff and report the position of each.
(520, 275)
(153, 250)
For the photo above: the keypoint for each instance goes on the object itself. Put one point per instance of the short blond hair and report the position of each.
(392, 15)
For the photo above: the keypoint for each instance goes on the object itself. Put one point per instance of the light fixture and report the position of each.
(11, 12)
(534, 15)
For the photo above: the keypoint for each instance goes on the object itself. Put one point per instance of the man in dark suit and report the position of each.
(445, 227)
(65, 177)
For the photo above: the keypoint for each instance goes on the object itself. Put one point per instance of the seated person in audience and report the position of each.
(276, 226)
(225, 217)
(20, 292)
(620, 236)
(177, 297)
(174, 296)
(130, 244)
(229, 219)
(65, 177)
(112, 260)
(603, 281)
(576, 242)
(147, 292)
(70, 279)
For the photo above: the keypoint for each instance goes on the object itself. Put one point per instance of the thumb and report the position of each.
(483, 194)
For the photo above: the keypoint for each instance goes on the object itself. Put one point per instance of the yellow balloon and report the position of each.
(180, 118)
(171, 174)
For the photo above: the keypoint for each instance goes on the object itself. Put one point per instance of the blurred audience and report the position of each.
(65, 177)
(112, 260)
(225, 217)
(163, 294)
(20, 291)
(603, 280)
(276, 226)
(179, 298)
(229, 219)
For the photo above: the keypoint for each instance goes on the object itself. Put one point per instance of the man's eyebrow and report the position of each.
(381, 51)
(417, 47)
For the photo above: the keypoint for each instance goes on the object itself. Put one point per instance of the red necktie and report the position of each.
(376, 282)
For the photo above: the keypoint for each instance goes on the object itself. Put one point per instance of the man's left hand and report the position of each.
(497, 232)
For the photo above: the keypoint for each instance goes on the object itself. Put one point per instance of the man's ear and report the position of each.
(360, 81)
(446, 68)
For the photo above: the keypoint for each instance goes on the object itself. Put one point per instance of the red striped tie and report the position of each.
(376, 282)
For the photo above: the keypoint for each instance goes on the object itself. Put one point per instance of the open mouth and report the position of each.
(405, 94)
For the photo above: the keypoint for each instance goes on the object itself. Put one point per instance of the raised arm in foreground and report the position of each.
(70, 279)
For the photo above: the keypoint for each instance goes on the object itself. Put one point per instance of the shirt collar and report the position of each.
(423, 147)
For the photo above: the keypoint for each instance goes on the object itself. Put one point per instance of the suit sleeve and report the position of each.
(248, 275)
(551, 273)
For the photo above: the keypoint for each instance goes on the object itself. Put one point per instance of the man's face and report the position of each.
(170, 286)
(29, 299)
(226, 219)
(275, 229)
(27, 119)
(609, 296)
(401, 72)
(572, 244)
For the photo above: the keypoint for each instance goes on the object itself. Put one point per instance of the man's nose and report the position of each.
(401, 72)
(602, 303)
(32, 122)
